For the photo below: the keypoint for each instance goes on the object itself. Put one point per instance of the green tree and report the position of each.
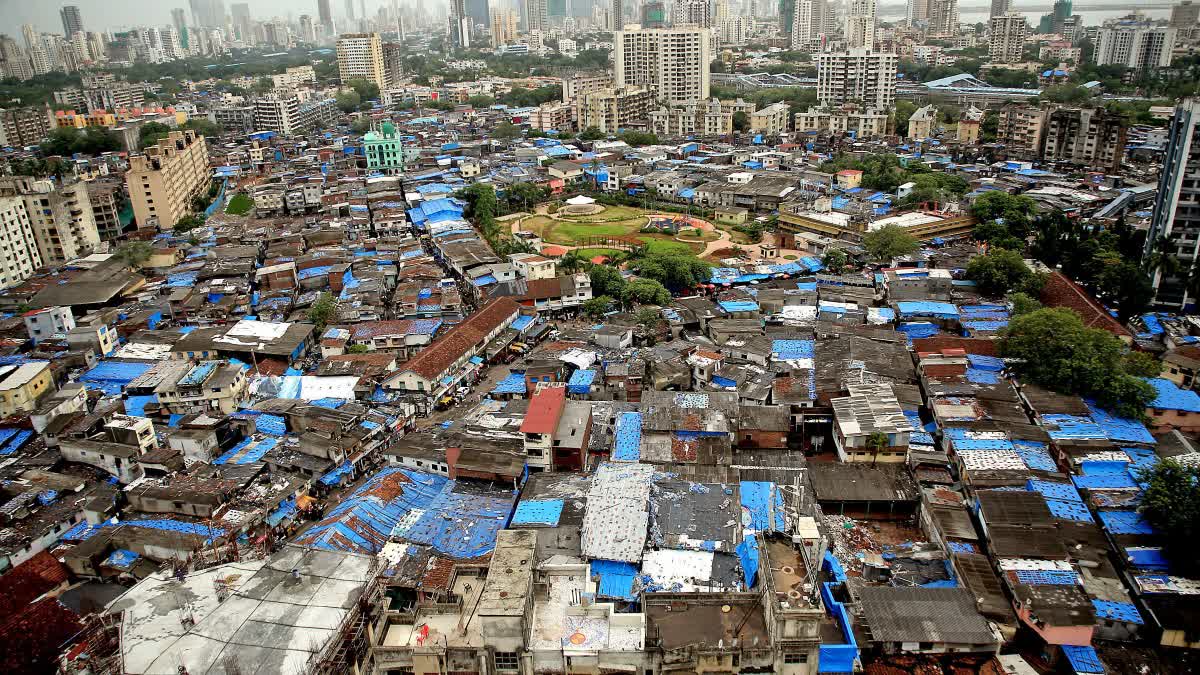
(597, 307)
(1171, 503)
(348, 101)
(888, 243)
(505, 131)
(835, 260)
(638, 138)
(1142, 364)
(1126, 285)
(361, 125)
(322, 311)
(676, 271)
(203, 126)
(645, 292)
(1023, 303)
(134, 253)
(1015, 211)
(998, 272)
(357, 349)
(741, 121)
(151, 132)
(366, 89)
(1053, 348)
(649, 318)
(481, 208)
(903, 110)
(591, 134)
(571, 262)
(189, 222)
(606, 280)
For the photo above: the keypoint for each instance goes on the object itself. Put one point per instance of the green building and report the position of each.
(384, 149)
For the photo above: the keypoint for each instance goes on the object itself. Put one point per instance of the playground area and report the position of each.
(569, 227)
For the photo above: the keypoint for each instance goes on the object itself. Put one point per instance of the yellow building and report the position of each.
(163, 179)
(21, 386)
(64, 119)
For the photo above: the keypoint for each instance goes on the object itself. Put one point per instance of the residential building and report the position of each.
(1185, 15)
(19, 255)
(808, 24)
(922, 123)
(48, 321)
(869, 425)
(860, 24)
(21, 386)
(107, 195)
(577, 84)
(233, 118)
(691, 12)
(294, 77)
(207, 386)
(968, 126)
(1136, 44)
(1020, 127)
(1006, 41)
(672, 63)
(612, 109)
(360, 57)
(1089, 137)
(1176, 213)
(384, 149)
(163, 179)
(545, 409)
(21, 127)
(772, 119)
(504, 26)
(858, 76)
(1000, 8)
(460, 25)
(700, 118)
(536, 16)
(917, 11)
(276, 113)
(943, 17)
(863, 123)
(72, 20)
(60, 215)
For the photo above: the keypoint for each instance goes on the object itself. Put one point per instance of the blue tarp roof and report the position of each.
(616, 579)
(628, 442)
(1171, 397)
(762, 505)
(581, 381)
(111, 377)
(538, 512)
(1084, 660)
(514, 383)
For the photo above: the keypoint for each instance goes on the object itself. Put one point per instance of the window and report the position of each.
(506, 661)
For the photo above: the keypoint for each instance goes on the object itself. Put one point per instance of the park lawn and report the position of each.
(240, 205)
(559, 232)
(609, 213)
(667, 245)
(590, 253)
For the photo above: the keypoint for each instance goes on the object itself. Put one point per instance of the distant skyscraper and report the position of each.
(536, 15)
(460, 24)
(654, 15)
(918, 10)
(308, 30)
(240, 13)
(31, 36)
(71, 19)
(691, 12)
(1000, 7)
(504, 26)
(1185, 15)
(179, 21)
(325, 15)
(208, 13)
(860, 24)
(360, 56)
(618, 13)
(943, 17)
(478, 11)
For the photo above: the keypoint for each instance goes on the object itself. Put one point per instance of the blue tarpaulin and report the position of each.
(538, 512)
(581, 381)
(628, 442)
(748, 554)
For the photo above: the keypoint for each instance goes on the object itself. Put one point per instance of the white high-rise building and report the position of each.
(943, 17)
(691, 13)
(857, 76)
(810, 21)
(672, 63)
(360, 56)
(1006, 38)
(536, 16)
(918, 10)
(1141, 46)
(19, 255)
(1176, 213)
(860, 24)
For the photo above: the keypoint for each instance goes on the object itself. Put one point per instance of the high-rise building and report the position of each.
(60, 215)
(618, 14)
(857, 76)
(308, 29)
(943, 17)
(1000, 8)
(612, 109)
(208, 13)
(1185, 15)
(32, 38)
(1138, 45)
(1006, 38)
(163, 179)
(860, 24)
(1176, 215)
(691, 13)
(1093, 138)
(14, 62)
(460, 25)
(360, 56)
(808, 24)
(672, 63)
(787, 12)
(72, 20)
(556, 8)
(918, 10)
(179, 21)
(504, 26)
(20, 127)
(242, 26)
(21, 255)
(325, 15)
(537, 16)
(654, 15)
(479, 13)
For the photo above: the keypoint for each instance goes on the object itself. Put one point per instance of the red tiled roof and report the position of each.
(437, 357)
(1060, 291)
(545, 408)
(977, 346)
(28, 581)
(33, 637)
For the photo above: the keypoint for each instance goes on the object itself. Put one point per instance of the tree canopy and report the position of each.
(90, 141)
(322, 311)
(1171, 503)
(606, 280)
(1054, 349)
(889, 242)
(645, 292)
(998, 272)
(676, 271)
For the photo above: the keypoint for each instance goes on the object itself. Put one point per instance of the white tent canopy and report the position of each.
(580, 201)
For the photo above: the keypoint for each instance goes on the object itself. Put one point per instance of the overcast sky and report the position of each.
(115, 14)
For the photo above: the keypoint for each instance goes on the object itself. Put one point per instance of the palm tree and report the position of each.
(877, 441)
(570, 262)
(1162, 258)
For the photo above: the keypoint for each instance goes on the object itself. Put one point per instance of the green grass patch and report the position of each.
(590, 253)
(790, 257)
(240, 205)
(559, 232)
(667, 246)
